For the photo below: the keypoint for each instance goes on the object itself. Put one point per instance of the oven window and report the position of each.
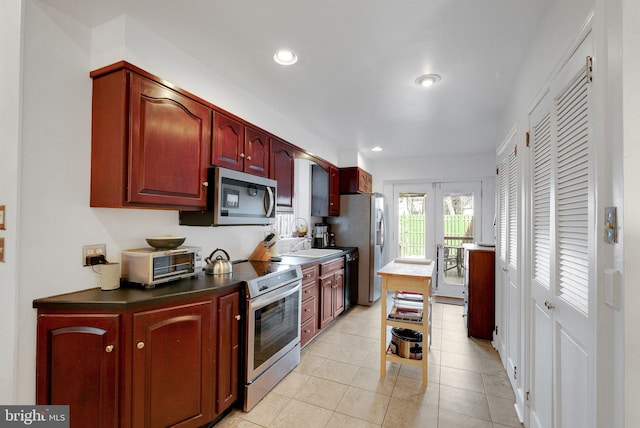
(276, 326)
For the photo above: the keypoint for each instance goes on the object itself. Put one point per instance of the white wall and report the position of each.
(433, 168)
(631, 131)
(10, 116)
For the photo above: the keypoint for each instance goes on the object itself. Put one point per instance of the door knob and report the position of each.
(237, 317)
(140, 345)
(109, 348)
(549, 305)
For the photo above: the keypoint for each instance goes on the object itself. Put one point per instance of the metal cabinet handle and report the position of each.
(140, 345)
(237, 317)
(549, 305)
(108, 348)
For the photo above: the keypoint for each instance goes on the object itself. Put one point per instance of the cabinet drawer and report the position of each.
(309, 275)
(307, 331)
(308, 309)
(331, 266)
(309, 291)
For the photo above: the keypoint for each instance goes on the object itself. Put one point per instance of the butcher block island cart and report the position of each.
(411, 276)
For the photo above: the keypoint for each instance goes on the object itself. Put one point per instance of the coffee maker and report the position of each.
(321, 235)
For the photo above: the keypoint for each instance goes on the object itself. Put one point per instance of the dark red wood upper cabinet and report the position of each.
(282, 169)
(77, 365)
(172, 366)
(355, 180)
(334, 191)
(150, 144)
(256, 152)
(170, 134)
(228, 142)
(239, 146)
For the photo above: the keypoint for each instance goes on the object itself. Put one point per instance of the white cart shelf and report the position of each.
(412, 277)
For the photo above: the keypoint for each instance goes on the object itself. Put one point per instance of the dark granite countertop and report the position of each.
(202, 285)
(132, 297)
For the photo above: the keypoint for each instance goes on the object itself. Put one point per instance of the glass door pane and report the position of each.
(458, 213)
(457, 222)
(412, 223)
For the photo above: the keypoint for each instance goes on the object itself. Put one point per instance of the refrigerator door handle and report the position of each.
(382, 221)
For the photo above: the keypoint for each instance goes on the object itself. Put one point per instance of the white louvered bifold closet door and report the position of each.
(502, 210)
(541, 216)
(513, 209)
(573, 193)
(561, 241)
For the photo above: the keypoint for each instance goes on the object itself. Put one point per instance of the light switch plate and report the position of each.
(612, 287)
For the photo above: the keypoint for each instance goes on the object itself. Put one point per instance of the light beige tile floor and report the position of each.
(337, 383)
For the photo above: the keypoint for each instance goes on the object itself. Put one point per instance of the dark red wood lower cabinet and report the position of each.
(167, 366)
(227, 351)
(77, 365)
(172, 366)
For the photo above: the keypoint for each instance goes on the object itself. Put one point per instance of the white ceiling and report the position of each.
(353, 85)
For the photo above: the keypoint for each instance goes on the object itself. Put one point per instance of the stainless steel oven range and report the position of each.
(273, 330)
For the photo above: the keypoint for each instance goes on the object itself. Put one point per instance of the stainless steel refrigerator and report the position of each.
(362, 224)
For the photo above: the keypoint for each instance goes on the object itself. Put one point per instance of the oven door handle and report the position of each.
(269, 298)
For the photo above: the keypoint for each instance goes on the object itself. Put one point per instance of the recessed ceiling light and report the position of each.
(285, 57)
(376, 149)
(427, 80)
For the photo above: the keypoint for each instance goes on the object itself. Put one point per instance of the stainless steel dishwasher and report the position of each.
(351, 279)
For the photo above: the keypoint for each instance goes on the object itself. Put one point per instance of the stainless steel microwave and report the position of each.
(235, 198)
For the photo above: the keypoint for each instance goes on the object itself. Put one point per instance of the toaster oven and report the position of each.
(149, 267)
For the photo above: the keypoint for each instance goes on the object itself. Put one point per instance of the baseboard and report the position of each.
(449, 300)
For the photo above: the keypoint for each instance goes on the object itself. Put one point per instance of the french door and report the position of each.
(434, 220)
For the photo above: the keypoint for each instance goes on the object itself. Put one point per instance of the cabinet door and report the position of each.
(326, 300)
(170, 137)
(319, 191)
(334, 191)
(228, 351)
(256, 152)
(77, 365)
(172, 366)
(338, 295)
(481, 291)
(281, 169)
(228, 142)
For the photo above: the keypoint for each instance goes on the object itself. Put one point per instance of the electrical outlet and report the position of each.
(91, 251)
